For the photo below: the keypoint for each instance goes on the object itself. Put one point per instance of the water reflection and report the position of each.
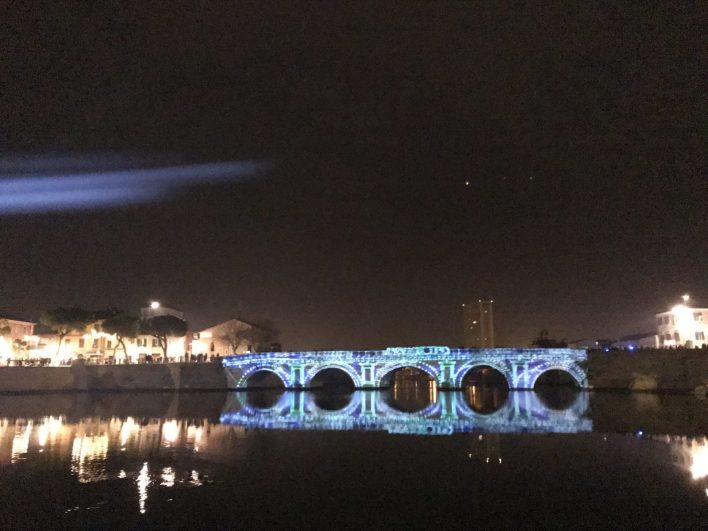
(333, 401)
(148, 452)
(412, 408)
(264, 399)
(487, 399)
(411, 396)
(689, 454)
(150, 458)
(557, 398)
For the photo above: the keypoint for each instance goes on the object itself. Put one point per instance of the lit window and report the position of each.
(81, 343)
(700, 336)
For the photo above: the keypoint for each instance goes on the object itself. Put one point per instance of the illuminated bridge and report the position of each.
(521, 368)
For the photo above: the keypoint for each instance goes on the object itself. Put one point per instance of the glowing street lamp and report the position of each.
(685, 298)
(154, 305)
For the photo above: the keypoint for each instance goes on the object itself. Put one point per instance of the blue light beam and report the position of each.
(21, 194)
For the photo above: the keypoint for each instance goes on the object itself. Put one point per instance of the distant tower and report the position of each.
(478, 321)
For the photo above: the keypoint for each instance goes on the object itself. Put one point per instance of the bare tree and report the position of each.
(258, 336)
(163, 327)
(235, 335)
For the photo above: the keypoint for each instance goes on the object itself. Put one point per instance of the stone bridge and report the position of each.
(370, 368)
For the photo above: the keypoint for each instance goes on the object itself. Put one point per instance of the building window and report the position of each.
(700, 336)
(677, 338)
(195, 335)
(67, 341)
(109, 344)
(698, 316)
(81, 343)
(659, 321)
(155, 342)
(211, 347)
(94, 344)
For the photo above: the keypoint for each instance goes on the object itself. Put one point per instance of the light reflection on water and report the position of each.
(174, 452)
(413, 409)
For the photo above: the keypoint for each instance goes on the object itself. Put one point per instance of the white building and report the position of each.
(16, 337)
(96, 346)
(223, 339)
(683, 326)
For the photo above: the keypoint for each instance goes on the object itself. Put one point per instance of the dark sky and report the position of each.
(580, 128)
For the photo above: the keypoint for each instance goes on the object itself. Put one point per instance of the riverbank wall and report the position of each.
(82, 377)
(665, 370)
(660, 370)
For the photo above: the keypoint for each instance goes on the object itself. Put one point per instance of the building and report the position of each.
(478, 322)
(683, 326)
(16, 337)
(224, 339)
(96, 346)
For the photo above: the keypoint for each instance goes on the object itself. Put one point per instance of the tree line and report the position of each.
(63, 321)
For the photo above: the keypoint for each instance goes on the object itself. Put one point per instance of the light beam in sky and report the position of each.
(22, 193)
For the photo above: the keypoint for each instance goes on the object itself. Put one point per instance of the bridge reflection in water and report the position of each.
(411, 409)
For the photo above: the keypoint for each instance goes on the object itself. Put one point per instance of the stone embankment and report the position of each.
(665, 370)
(82, 377)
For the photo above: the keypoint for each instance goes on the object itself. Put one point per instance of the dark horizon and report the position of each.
(578, 131)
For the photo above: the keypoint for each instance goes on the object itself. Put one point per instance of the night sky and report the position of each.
(580, 130)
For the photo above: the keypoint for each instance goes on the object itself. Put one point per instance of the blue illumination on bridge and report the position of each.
(447, 413)
(448, 367)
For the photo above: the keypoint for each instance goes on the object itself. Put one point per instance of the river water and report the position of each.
(408, 458)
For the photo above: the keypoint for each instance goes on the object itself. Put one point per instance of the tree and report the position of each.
(261, 335)
(258, 336)
(235, 335)
(543, 341)
(123, 327)
(20, 347)
(65, 320)
(4, 328)
(163, 327)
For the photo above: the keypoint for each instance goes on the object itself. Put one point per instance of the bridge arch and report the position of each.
(384, 371)
(575, 373)
(318, 369)
(258, 370)
(468, 368)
